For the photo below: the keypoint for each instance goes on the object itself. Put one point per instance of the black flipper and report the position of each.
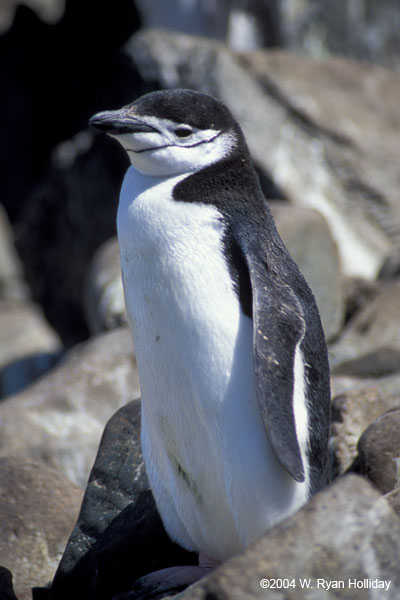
(279, 327)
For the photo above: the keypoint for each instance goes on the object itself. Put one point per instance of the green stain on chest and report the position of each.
(186, 478)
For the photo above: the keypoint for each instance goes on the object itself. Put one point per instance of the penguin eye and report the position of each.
(183, 132)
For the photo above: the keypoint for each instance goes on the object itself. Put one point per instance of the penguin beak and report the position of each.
(118, 122)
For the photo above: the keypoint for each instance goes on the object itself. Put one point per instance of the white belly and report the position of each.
(215, 479)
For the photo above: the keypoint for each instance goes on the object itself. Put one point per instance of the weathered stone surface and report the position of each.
(365, 30)
(358, 293)
(104, 294)
(313, 141)
(379, 452)
(49, 11)
(28, 345)
(119, 535)
(308, 239)
(242, 25)
(352, 413)
(60, 418)
(393, 499)
(38, 508)
(62, 205)
(370, 344)
(345, 532)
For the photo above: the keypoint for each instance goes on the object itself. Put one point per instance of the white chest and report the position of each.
(178, 289)
(214, 476)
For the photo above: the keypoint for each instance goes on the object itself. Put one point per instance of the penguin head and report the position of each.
(172, 132)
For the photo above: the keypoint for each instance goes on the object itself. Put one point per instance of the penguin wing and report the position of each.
(279, 327)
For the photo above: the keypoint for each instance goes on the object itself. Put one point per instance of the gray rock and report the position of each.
(388, 386)
(325, 132)
(346, 532)
(379, 452)
(104, 294)
(370, 344)
(352, 413)
(119, 535)
(28, 347)
(393, 498)
(358, 292)
(60, 418)
(365, 30)
(308, 239)
(243, 25)
(49, 11)
(38, 508)
(12, 284)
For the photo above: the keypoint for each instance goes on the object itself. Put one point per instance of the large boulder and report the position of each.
(28, 345)
(305, 123)
(60, 419)
(38, 508)
(346, 540)
(370, 344)
(119, 535)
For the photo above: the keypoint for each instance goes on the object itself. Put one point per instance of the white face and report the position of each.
(174, 148)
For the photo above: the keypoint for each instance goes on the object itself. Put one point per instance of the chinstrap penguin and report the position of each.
(230, 349)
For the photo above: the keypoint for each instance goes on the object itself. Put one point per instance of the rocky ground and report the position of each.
(77, 518)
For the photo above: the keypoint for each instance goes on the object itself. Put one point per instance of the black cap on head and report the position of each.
(186, 106)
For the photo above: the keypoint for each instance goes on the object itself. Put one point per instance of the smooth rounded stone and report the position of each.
(119, 535)
(49, 11)
(242, 25)
(104, 294)
(311, 126)
(28, 345)
(358, 293)
(379, 452)
(393, 499)
(370, 344)
(346, 532)
(388, 386)
(352, 412)
(38, 508)
(60, 418)
(12, 284)
(307, 236)
(366, 31)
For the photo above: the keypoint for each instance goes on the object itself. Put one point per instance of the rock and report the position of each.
(370, 344)
(242, 25)
(393, 499)
(308, 239)
(352, 413)
(12, 285)
(358, 293)
(119, 535)
(6, 585)
(104, 294)
(62, 214)
(28, 348)
(38, 507)
(379, 452)
(60, 419)
(388, 386)
(367, 31)
(345, 533)
(49, 11)
(314, 142)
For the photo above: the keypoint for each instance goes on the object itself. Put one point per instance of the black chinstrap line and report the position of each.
(174, 145)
